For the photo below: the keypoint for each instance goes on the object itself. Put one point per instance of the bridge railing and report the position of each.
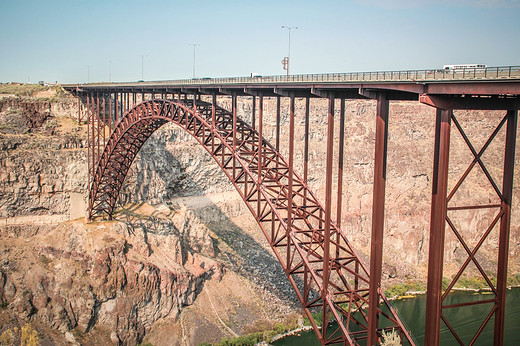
(430, 75)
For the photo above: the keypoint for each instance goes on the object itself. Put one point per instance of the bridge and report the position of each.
(324, 269)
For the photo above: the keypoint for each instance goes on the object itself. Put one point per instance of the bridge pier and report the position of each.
(505, 223)
(436, 293)
(437, 226)
(378, 217)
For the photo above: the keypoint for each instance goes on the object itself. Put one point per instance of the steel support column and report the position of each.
(253, 120)
(339, 200)
(306, 149)
(110, 114)
(89, 165)
(104, 122)
(306, 142)
(260, 153)
(290, 182)
(98, 118)
(213, 116)
(378, 216)
(278, 123)
(116, 106)
(328, 216)
(437, 226)
(503, 245)
(234, 132)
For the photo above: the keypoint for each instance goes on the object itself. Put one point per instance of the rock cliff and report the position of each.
(183, 254)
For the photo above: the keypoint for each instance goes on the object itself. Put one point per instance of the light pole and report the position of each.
(194, 45)
(88, 73)
(110, 70)
(289, 53)
(142, 66)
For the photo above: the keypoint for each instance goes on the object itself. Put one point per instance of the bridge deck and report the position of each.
(401, 84)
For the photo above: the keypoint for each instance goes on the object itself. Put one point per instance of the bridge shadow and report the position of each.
(239, 250)
(238, 242)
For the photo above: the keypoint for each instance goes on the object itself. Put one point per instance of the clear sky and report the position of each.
(74, 40)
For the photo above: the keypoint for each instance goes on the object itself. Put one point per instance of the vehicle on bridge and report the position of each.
(464, 66)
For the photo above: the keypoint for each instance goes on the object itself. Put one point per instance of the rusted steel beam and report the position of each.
(110, 114)
(290, 181)
(234, 132)
(260, 152)
(277, 123)
(213, 118)
(339, 200)
(437, 226)
(328, 212)
(306, 146)
(104, 121)
(503, 245)
(116, 106)
(470, 102)
(89, 149)
(98, 130)
(378, 216)
(253, 115)
(475, 88)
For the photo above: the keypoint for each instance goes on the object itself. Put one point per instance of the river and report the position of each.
(465, 320)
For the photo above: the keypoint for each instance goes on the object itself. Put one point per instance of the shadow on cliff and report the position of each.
(239, 251)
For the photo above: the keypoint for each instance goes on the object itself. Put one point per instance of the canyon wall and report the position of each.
(183, 229)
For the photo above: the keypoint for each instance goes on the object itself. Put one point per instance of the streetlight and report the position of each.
(289, 55)
(142, 65)
(194, 45)
(88, 73)
(110, 70)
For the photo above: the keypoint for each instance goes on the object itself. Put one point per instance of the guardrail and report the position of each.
(431, 75)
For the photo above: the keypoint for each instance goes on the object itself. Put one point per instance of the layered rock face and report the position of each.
(121, 280)
(119, 276)
(112, 282)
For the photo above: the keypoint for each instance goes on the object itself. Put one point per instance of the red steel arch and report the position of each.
(293, 223)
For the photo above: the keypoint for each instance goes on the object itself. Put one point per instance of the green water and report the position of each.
(465, 321)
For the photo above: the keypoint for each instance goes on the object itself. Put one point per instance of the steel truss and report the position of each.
(321, 265)
(443, 213)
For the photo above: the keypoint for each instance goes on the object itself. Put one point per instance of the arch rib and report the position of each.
(261, 176)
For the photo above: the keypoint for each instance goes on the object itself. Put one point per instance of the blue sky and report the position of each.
(57, 40)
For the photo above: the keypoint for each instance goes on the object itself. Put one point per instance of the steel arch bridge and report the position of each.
(321, 265)
(289, 215)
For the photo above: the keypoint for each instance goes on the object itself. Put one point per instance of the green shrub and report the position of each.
(316, 316)
(445, 283)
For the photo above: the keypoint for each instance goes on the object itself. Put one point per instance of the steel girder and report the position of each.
(321, 265)
(445, 213)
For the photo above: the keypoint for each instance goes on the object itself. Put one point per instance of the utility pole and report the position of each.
(287, 62)
(88, 73)
(142, 66)
(194, 45)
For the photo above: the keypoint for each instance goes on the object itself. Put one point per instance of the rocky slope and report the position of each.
(190, 264)
(133, 278)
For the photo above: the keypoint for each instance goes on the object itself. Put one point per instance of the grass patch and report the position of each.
(401, 289)
(22, 89)
(254, 338)
(514, 280)
(316, 316)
